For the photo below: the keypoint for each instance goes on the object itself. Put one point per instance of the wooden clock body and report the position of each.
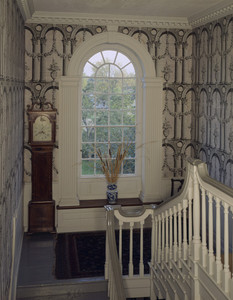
(42, 128)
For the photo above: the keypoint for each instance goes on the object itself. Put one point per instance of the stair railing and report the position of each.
(121, 222)
(193, 239)
(112, 266)
(191, 242)
(216, 227)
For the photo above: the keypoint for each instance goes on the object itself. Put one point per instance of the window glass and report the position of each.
(108, 110)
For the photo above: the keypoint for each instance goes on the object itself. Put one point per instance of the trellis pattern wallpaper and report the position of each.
(213, 88)
(11, 140)
(195, 65)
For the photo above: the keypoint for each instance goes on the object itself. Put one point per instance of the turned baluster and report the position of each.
(141, 265)
(131, 250)
(210, 234)
(203, 228)
(179, 234)
(196, 219)
(120, 243)
(190, 225)
(171, 236)
(163, 237)
(175, 235)
(218, 242)
(159, 240)
(167, 239)
(185, 242)
(226, 271)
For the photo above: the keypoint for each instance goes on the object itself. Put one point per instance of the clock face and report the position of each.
(42, 129)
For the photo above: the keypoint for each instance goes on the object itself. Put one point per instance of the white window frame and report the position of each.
(129, 186)
(137, 129)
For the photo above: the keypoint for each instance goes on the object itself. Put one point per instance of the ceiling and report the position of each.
(189, 11)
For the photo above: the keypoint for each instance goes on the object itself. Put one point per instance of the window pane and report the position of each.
(115, 118)
(121, 60)
(98, 168)
(129, 166)
(129, 134)
(131, 151)
(114, 149)
(129, 101)
(115, 86)
(88, 85)
(88, 118)
(87, 151)
(88, 101)
(103, 147)
(129, 71)
(102, 117)
(115, 134)
(116, 102)
(101, 85)
(97, 59)
(88, 134)
(109, 55)
(101, 134)
(87, 167)
(89, 70)
(129, 118)
(129, 86)
(103, 71)
(102, 101)
(115, 71)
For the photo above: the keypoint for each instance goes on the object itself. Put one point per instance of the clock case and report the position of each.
(41, 207)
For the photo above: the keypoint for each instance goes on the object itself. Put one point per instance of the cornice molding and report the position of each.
(215, 13)
(88, 19)
(31, 16)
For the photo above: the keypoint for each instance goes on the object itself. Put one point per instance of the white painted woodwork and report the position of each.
(176, 272)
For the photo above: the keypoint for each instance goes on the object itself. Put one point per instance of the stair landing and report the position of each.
(36, 280)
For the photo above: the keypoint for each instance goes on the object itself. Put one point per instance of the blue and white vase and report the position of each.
(112, 193)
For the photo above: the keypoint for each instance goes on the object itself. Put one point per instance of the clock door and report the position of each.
(42, 174)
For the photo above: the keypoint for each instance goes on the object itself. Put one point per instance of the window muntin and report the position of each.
(108, 110)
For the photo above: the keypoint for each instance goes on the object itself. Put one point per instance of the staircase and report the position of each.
(191, 249)
(191, 243)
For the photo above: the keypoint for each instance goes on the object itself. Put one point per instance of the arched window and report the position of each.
(108, 110)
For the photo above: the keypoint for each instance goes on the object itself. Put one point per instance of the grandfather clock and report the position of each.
(42, 132)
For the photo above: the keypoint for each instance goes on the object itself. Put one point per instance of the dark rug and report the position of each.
(83, 254)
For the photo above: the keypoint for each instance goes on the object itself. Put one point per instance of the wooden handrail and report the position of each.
(116, 275)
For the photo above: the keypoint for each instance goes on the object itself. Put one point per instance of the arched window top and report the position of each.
(109, 63)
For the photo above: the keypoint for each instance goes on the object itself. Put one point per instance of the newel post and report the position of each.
(196, 217)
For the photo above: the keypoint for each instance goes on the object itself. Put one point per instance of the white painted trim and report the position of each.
(216, 12)
(115, 40)
(31, 16)
(94, 19)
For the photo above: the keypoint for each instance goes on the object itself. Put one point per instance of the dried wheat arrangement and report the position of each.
(110, 165)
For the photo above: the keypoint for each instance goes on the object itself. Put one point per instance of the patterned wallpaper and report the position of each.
(183, 58)
(213, 89)
(11, 138)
